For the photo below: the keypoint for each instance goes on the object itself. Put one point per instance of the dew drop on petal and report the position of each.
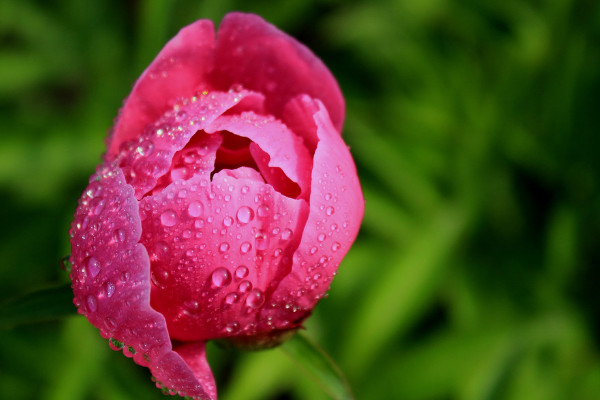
(195, 209)
(91, 303)
(120, 235)
(109, 289)
(321, 237)
(335, 246)
(223, 247)
(227, 221)
(262, 211)
(232, 327)
(221, 277)
(93, 267)
(244, 286)
(245, 214)
(255, 298)
(168, 218)
(231, 298)
(286, 234)
(329, 210)
(241, 272)
(245, 247)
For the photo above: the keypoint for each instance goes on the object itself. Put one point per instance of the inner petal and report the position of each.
(218, 249)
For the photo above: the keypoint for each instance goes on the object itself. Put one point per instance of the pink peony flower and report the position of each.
(223, 206)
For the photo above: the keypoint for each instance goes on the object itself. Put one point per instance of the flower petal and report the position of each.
(258, 56)
(111, 280)
(336, 210)
(147, 158)
(218, 252)
(284, 149)
(179, 71)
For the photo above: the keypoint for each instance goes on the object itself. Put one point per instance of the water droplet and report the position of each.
(328, 196)
(119, 235)
(168, 218)
(109, 289)
(313, 250)
(286, 234)
(195, 209)
(245, 247)
(244, 286)
(263, 211)
(99, 207)
(335, 246)
(93, 267)
(232, 327)
(110, 323)
(245, 214)
(241, 272)
(321, 237)
(245, 189)
(329, 211)
(223, 247)
(115, 344)
(260, 241)
(159, 277)
(91, 303)
(227, 221)
(221, 277)
(255, 298)
(191, 305)
(231, 298)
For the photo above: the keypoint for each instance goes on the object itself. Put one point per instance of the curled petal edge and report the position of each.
(111, 284)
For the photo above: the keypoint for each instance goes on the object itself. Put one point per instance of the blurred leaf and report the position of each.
(319, 365)
(42, 305)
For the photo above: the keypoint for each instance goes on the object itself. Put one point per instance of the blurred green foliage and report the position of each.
(474, 125)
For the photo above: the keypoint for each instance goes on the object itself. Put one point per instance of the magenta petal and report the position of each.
(147, 158)
(336, 210)
(257, 55)
(111, 279)
(285, 150)
(194, 355)
(219, 252)
(179, 71)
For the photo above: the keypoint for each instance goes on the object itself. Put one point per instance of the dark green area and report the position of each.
(476, 132)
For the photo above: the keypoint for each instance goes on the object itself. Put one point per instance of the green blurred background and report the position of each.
(475, 129)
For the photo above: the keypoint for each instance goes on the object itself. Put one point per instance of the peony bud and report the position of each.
(223, 206)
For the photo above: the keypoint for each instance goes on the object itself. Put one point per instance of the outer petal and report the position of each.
(336, 210)
(149, 157)
(258, 56)
(111, 280)
(179, 70)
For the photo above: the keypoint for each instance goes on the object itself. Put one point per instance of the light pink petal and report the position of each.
(194, 355)
(258, 56)
(336, 210)
(283, 148)
(218, 249)
(295, 118)
(179, 71)
(147, 158)
(111, 279)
